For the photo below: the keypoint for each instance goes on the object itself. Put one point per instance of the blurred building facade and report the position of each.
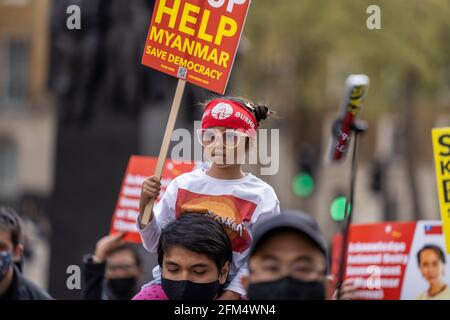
(27, 123)
(109, 107)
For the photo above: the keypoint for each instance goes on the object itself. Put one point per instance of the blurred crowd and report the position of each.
(289, 259)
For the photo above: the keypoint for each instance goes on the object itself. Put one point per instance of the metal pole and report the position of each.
(348, 216)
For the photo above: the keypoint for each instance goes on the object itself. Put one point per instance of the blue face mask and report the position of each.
(5, 263)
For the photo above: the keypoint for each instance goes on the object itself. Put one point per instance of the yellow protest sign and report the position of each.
(441, 146)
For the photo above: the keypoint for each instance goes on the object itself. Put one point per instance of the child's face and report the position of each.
(224, 146)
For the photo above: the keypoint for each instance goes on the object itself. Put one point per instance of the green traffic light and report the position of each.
(303, 185)
(337, 209)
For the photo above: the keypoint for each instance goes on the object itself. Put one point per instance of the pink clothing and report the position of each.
(153, 292)
(156, 292)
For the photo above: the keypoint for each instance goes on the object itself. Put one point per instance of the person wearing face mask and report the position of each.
(288, 260)
(13, 284)
(223, 189)
(194, 254)
(113, 272)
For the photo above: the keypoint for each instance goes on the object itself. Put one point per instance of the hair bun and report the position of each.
(261, 112)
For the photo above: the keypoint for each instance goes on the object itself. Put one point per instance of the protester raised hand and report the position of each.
(348, 291)
(107, 244)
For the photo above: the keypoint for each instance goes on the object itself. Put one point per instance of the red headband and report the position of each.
(229, 114)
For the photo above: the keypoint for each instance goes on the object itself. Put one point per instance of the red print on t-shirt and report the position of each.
(229, 210)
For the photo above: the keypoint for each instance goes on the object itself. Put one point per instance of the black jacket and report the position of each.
(94, 280)
(23, 289)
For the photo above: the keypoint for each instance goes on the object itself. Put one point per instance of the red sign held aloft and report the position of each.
(127, 208)
(196, 40)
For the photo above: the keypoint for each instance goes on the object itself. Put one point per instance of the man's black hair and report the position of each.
(198, 233)
(11, 222)
(439, 252)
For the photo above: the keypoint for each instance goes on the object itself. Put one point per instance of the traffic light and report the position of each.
(337, 208)
(376, 176)
(303, 183)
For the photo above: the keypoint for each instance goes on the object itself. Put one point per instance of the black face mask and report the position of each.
(188, 290)
(287, 288)
(123, 288)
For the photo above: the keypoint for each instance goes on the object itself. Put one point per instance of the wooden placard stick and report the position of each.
(147, 216)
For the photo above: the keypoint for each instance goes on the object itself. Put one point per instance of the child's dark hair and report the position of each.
(11, 222)
(198, 233)
(260, 111)
(439, 252)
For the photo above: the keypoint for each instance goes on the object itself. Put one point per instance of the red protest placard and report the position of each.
(382, 260)
(196, 40)
(127, 208)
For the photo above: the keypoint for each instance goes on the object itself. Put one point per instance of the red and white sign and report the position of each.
(382, 258)
(196, 40)
(127, 209)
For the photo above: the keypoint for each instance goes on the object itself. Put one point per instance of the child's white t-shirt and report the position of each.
(237, 203)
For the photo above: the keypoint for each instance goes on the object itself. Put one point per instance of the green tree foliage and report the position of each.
(301, 51)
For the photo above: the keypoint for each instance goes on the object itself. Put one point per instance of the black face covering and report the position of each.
(188, 290)
(123, 288)
(287, 288)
